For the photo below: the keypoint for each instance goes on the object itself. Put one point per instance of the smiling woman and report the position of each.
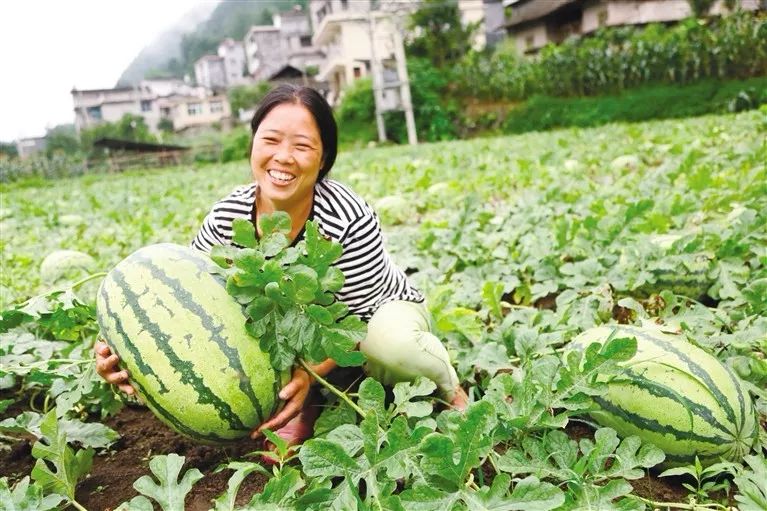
(294, 147)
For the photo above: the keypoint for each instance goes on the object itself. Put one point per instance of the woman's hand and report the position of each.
(295, 393)
(106, 367)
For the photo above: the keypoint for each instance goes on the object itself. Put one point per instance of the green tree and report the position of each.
(165, 125)
(438, 34)
(129, 127)
(62, 139)
(247, 96)
(8, 150)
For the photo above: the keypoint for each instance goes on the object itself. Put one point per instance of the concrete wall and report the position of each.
(189, 112)
(210, 72)
(233, 53)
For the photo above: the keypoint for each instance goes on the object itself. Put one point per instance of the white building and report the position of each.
(288, 41)
(209, 72)
(151, 99)
(233, 53)
(194, 111)
(26, 147)
(342, 29)
(264, 51)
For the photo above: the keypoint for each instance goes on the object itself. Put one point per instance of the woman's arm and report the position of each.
(295, 394)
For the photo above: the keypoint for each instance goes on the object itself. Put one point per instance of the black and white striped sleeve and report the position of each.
(209, 234)
(216, 229)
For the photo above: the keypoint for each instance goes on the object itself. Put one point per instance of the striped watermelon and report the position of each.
(676, 396)
(182, 338)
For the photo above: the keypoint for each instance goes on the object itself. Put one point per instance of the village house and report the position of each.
(535, 23)
(209, 72)
(342, 29)
(288, 41)
(26, 147)
(194, 111)
(153, 100)
(233, 53)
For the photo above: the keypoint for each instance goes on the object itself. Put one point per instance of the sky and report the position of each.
(51, 46)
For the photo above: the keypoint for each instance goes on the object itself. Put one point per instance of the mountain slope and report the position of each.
(174, 52)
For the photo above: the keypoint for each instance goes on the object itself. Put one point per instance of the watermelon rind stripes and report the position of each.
(182, 337)
(675, 395)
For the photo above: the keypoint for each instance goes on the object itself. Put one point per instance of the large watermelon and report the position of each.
(676, 396)
(182, 338)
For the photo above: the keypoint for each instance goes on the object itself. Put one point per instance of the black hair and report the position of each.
(317, 106)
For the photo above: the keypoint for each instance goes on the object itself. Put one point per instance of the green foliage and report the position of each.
(288, 293)
(25, 496)
(433, 113)
(167, 491)
(8, 150)
(62, 139)
(236, 145)
(750, 479)
(165, 125)
(246, 97)
(596, 472)
(129, 127)
(519, 242)
(439, 36)
(356, 113)
(58, 467)
(541, 113)
(432, 108)
(617, 59)
(707, 480)
(229, 19)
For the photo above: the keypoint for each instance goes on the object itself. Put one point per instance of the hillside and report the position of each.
(199, 32)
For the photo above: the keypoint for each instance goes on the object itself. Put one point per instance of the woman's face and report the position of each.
(286, 156)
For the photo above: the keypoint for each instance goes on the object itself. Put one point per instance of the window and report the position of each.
(602, 18)
(216, 107)
(194, 108)
(344, 4)
(146, 105)
(306, 40)
(357, 72)
(529, 42)
(165, 111)
(94, 112)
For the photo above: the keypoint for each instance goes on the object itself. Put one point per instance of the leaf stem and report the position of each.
(77, 505)
(680, 505)
(87, 279)
(332, 388)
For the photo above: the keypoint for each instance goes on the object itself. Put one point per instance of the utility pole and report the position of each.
(375, 68)
(404, 87)
(403, 82)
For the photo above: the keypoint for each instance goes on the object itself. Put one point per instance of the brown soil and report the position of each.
(142, 436)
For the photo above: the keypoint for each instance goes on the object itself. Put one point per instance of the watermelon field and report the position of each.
(524, 247)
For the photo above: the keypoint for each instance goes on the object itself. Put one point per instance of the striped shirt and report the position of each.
(371, 278)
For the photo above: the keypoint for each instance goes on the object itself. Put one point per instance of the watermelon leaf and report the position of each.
(276, 222)
(752, 492)
(58, 467)
(25, 496)
(244, 233)
(226, 501)
(280, 491)
(169, 493)
(450, 456)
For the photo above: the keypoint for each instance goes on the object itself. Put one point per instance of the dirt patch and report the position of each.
(143, 436)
